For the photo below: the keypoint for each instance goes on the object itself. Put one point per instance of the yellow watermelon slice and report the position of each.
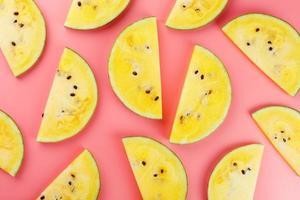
(134, 68)
(11, 145)
(91, 14)
(205, 98)
(281, 125)
(157, 170)
(270, 43)
(234, 178)
(190, 14)
(72, 99)
(22, 34)
(80, 180)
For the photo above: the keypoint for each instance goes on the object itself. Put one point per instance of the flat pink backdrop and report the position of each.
(24, 99)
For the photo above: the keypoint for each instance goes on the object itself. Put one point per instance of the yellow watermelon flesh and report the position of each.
(270, 43)
(235, 176)
(11, 145)
(157, 170)
(22, 34)
(72, 99)
(190, 14)
(90, 14)
(205, 98)
(134, 68)
(281, 125)
(80, 180)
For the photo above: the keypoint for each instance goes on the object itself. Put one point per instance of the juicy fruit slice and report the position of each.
(22, 34)
(281, 125)
(272, 44)
(205, 98)
(235, 176)
(11, 145)
(190, 14)
(157, 170)
(72, 99)
(80, 180)
(90, 14)
(134, 68)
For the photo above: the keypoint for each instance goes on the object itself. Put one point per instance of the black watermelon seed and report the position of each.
(269, 42)
(257, 29)
(79, 3)
(289, 138)
(202, 76)
(143, 163)
(156, 98)
(15, 21)
(249, 169)
(75, 87)
(209, 91)
(234, 164)
(243, 172)
(196, 72)
(181, 117)
(72, 94)
(21, 25)
(62, 111)
(43, 115)
(248, 44)
(284, 140)
(73, 175)
(69, 77)
(184, 6)
(16, 13)
(282, 131)
(42, 197)
(70, 183)
(275, 137)
(162, 171)
(134, 73)
(155, 175)
(271, 48)
(148, 91)
(147, 47)
(197, 10)
(13, 43)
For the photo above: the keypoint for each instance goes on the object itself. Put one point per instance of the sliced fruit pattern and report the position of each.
(190, 14)
(11, 145)
(234, 178)
(205, 98)
(90, 14)
(134, 68)
(281, 125)
(272, 44)
(22, 34)
(72, 99)
(157, 170)
(80, 180)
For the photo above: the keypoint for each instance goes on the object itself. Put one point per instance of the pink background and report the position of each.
(24, 99)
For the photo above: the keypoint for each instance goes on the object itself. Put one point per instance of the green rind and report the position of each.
(149, 138)
(225, 113)
(220, 163)
(100, 24)
(268, 15)
(292, 110)
(34, 61)
(150, 116)
(16, 169)
(59, 139)
(201, 25)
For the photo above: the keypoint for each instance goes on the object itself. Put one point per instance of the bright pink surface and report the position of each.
(24, 99)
